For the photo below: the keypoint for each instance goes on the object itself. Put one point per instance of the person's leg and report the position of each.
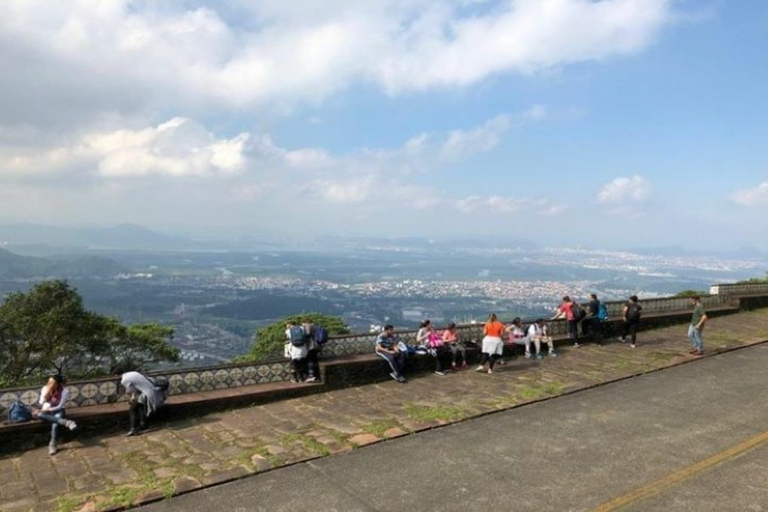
(573, 327)
(393, 361)
(463, 350)
(633, 333)
(295, 370)
(483, 359)
(400, 358)
(597, 325)
(491, 361)
(698, 340)
(692, 337)
(134, 415)
(438, 364)
(313, 364)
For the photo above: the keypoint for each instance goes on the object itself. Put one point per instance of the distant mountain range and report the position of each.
(15, 266)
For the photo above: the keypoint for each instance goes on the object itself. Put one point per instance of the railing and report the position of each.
(195, 380)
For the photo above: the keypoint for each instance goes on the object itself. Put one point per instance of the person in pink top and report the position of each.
(451, 340)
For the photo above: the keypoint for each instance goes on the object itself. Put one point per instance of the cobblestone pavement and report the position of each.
(100, 473)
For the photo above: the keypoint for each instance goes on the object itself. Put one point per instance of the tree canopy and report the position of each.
(691, 293)
(48, 330)
(268, 341)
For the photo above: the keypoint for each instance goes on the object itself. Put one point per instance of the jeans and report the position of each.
(396, 361)
(137, 413)
(455, 349)
(694, 336)
(55, 419)
(298, 368)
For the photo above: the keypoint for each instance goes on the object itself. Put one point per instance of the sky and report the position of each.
(612, 123)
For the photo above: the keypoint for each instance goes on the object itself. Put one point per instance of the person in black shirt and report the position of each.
(593, 324)
(631, 316)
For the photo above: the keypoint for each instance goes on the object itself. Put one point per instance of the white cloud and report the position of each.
(625, 191)
(478, 140)
(128, 56)
(501, 204)
(755, 196)
(178, 147)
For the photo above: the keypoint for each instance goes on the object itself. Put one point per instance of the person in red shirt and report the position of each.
(570, 309)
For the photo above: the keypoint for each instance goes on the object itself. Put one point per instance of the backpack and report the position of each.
(602, 312)
(297, 336)
(633, 312)
(19, 413)
(434, 340)
(578, 312)
(320, 335)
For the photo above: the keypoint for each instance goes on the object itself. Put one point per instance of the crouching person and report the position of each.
(387, 348)
(145, 396)
(53, 399)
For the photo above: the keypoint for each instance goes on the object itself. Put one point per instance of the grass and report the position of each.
(664, 357)
(378, 427)
(310, 444)
(437, 413)
(537, 391)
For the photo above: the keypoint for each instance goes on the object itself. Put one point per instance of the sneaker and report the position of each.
(480, 368)
(528, 355)
(401, 380)
(553, 354)
(52, 449)
(490, 371)
(294, 379)
(698, 353)
(453, 366)
(71, 425)
(394, 376)
(576, 345)
(311, 379)
(632, 345)
(442, 374)
(131, 433)
(539, 356)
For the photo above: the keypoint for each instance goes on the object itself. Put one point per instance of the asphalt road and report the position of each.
(688, 438)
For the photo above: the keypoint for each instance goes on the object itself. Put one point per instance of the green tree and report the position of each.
(48, 329)
(756, 279)
(268, 341)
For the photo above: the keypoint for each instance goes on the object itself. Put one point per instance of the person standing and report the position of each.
(313, 350)
(296, 350)
(387, 348)
(572, 312)
(593, 324)
(698, 320)
(53, 399)
(493, 345)
(631, 316)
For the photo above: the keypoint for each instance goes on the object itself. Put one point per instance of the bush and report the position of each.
(268, 342)
(691, 293)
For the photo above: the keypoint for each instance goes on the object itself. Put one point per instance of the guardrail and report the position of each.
(194, 380)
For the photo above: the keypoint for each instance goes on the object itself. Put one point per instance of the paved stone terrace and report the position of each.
(114, 471)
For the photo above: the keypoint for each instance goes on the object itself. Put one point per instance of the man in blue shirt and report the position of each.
(387, 348)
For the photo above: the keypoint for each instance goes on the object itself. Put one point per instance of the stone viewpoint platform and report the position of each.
(108, 471)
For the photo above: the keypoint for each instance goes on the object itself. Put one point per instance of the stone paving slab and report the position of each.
(102, 473)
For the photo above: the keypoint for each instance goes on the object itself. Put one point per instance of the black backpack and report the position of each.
(577, 311)
(633, 312)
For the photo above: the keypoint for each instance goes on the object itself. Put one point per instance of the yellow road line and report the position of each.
(682, 474)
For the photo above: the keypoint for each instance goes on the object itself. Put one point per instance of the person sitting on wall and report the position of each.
(53, 399)
(451, 340)
(388, 348)
(433, 343)
(537, 334)
(145, 396)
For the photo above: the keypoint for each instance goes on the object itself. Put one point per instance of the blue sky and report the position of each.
(618, 123)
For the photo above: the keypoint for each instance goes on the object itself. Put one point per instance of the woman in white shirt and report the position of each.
(53, 399)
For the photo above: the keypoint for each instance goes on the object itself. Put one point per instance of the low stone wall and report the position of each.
(739, 289)
(194, 380)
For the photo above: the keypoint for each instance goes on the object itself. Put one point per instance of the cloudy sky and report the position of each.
(607, 123)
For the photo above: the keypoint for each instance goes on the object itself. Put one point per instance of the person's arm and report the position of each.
(624, 312)
(702, 321)
(560, 313)
(422, 336)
